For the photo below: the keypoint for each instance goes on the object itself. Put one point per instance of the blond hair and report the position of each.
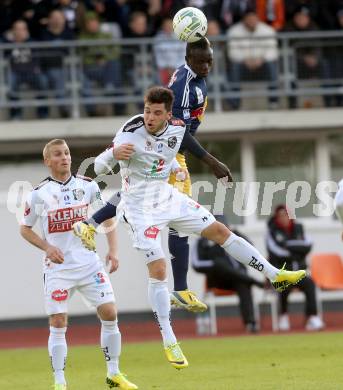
(56, 141)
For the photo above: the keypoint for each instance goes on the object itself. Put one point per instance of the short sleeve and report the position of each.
(96, 198)
(31, 210)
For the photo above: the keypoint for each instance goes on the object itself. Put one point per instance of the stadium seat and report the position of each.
(327, 273)
(214, 297)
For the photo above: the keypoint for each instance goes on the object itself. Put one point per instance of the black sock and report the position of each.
(179, 249)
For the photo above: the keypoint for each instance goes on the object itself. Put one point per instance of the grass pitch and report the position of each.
(292, 362)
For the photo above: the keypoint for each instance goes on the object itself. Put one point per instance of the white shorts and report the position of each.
(180, 213)
(92, 282)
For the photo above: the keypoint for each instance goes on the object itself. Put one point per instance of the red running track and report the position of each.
(148, 330)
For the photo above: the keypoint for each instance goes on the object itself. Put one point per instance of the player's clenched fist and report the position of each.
(54, 254)
(123, 152)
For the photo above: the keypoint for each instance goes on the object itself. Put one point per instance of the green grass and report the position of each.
(292, 362)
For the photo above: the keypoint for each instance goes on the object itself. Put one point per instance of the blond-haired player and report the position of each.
(57, 203)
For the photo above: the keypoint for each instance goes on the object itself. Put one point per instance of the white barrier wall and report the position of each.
(21, 287)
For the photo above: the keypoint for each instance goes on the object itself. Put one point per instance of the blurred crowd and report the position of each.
(137, 18)
(255, 54)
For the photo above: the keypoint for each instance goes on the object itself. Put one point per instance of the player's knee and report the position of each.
(107, 312)
(158, 270)
(217, 232)
(58, 320)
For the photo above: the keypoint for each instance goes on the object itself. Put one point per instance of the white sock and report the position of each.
(111, 345)
(246, 254)
(160, 303)
(57, 346)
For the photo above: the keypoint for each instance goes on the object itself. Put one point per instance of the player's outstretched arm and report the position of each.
(220, 170)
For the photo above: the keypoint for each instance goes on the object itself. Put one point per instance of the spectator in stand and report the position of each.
(333, 54)
(252, 49)
(229, 12)
(23, 68)
(271, 12)
(35, 13)
(73, 11)
(169, 52)
(224, 272)
(10, 11)
(101, 64)
(138, 26)
(327, 9)
(287, 242)
(309, 61)
(151, 8)
(292, 7)
(213, 30)
(52, 58)
(111, 11)
(138, 65)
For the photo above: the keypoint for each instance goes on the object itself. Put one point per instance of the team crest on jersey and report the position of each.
(78, 193)
(172, 141)
(148, 146)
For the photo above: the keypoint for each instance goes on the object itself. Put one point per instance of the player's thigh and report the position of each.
(145, 232)
(96, 288)
(192, 217)
(57, 292)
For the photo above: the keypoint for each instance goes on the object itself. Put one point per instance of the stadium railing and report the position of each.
(139, 71)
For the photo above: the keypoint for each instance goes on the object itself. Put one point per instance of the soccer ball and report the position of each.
(190, 24)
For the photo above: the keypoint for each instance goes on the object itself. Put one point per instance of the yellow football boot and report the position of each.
(188, 300)
(285, 278)
(175, 356)
(119, 381)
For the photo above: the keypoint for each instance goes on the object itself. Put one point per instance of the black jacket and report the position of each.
(211, 259)
(287, 246)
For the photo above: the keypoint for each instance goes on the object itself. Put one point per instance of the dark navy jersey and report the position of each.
(190, 97)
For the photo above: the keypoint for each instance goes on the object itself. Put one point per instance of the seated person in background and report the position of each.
(52, 58)
(223, 271)
(309, 61)
(101, 64)
(286, 242)
(24, 68)
(252, 48)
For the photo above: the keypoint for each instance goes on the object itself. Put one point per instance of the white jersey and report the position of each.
(145, 175)
(58, 206)
(339, 201)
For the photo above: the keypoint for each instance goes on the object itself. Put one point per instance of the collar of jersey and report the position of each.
(50, 178)
(163, 131)
(190, 70)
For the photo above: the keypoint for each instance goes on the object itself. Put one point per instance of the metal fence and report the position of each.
(76, 78)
